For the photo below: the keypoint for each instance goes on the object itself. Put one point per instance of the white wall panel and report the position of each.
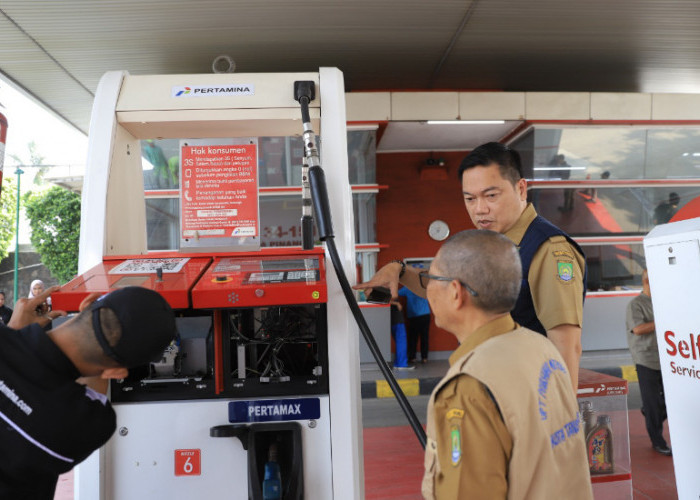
(557, 105)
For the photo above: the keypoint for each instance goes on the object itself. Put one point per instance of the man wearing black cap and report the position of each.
(48, 422)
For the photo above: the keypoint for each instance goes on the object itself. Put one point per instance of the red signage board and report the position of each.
(219, 186)
(592, 384)
(188, 462)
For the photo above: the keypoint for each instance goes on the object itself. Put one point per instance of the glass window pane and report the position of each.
(673, 153)
(365, 210)
(280, 161)
(362, 156)
(610, 210)
(161, 163)
(163, 223)
(280, 221)
(597, 152)
(614, 267)
(366, 266)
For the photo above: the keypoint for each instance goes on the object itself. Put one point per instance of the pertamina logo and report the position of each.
(213, 90)
(685, 349)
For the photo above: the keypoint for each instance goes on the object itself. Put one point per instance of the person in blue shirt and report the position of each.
(418, 312)
(398, 332)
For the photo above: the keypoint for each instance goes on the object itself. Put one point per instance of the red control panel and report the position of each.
(262, 279)
(172, 277)
(265, 278)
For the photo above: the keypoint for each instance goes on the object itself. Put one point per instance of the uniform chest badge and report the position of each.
(454, 413)
(456, 445)
(565, 271)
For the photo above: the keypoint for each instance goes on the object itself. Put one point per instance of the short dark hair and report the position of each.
(88, 347)
(2, 293)
(507, 159)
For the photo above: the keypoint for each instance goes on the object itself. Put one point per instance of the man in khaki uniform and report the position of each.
(554, 268)
(503, 422)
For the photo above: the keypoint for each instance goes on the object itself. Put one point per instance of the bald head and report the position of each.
(488, 262)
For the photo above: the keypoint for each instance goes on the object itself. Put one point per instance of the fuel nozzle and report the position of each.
(272, 481)
(313, 182)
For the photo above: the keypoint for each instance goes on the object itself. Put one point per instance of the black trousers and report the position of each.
(652, 390)
(418, 327)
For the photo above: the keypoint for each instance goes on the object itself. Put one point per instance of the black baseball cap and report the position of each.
(146, 320)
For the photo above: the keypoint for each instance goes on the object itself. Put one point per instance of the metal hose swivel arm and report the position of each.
(305, 92)
(314, 185)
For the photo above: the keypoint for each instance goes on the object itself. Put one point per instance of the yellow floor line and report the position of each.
(409, 386)
(629, 373)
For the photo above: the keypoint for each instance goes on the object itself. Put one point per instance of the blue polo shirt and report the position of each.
(415, 304)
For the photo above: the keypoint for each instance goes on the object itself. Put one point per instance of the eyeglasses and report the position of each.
(425, 278)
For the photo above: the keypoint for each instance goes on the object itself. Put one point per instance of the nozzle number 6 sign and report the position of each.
(188, 463)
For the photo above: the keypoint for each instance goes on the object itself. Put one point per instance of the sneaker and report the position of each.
(404, 368)
(664, 450)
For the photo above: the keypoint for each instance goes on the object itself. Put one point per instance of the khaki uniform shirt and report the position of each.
(486, 444)
(557, 301)
(470, 451)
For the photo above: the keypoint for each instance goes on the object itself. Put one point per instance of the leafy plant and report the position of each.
(36, 159)
(54, 217)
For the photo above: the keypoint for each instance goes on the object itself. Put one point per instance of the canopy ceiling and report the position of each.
(58, 50)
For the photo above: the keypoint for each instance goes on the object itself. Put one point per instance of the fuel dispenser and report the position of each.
(259, 396)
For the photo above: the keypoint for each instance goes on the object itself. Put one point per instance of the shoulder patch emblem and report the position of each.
(454, 413)
(565, 271)
(562, 253)
(456, 440)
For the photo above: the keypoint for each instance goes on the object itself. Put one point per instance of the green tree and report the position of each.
(36, 159)
(54, 217)
(8, 214)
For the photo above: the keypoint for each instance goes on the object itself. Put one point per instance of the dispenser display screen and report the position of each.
(266, 277)
(282, 277)
(227, 265)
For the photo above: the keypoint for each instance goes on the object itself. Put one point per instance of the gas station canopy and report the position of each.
(57, 51)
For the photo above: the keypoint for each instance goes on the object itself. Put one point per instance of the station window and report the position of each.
(611, 184)
(279, 166)
(163, 223)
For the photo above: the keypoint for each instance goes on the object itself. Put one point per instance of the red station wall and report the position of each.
(410, 204)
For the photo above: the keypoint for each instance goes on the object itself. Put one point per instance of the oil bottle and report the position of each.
(599, 447)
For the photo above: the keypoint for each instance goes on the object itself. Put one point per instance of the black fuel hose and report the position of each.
(325, 229)
(304, 93)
